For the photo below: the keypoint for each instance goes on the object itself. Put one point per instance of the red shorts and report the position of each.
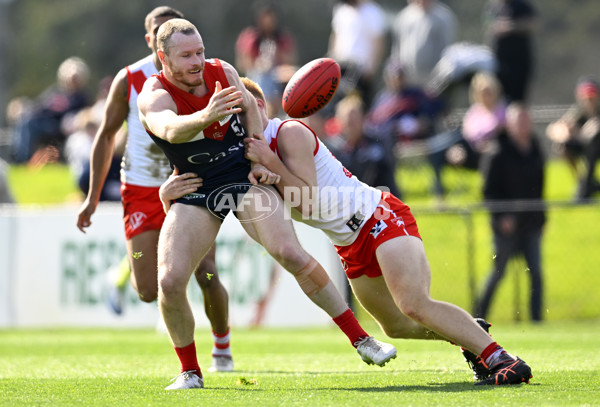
(391, 219)
(142, 209)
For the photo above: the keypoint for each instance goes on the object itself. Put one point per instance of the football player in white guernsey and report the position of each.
(378, 242)
(143, 170)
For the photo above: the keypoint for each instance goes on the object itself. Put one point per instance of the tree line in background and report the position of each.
(36, 36)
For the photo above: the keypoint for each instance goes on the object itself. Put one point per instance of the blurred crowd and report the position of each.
(400, 71)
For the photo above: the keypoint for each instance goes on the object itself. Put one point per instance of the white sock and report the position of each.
(221, 344)
(494, 358)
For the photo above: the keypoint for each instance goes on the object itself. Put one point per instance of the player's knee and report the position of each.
(206, 274)
(148, 292)
(171, 287)
(414, 308)
(207, 280)
(146, 288)
(290, 255)
(312, 278)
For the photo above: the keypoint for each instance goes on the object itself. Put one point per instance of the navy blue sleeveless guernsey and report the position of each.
(216, 154)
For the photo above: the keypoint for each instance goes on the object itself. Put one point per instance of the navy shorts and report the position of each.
(219, 201)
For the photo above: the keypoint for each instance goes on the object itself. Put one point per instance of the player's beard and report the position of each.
(189, 80)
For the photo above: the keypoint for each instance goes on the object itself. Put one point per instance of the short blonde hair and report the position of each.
(170, 27)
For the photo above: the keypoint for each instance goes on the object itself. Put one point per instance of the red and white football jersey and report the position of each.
(344, 202)
(144, 163)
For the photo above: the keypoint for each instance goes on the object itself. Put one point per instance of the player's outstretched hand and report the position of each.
(258, 173)
(224, 101)
(178, 185)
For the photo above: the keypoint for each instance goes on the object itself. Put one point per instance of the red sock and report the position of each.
(350, 326)
(490, 353)
(188, 359)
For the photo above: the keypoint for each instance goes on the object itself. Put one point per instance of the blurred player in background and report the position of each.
(380, 247)
(191, 110)
(144, 169)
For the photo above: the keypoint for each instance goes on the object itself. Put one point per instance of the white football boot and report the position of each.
(373, 351)
(186, 380)
(221, 364)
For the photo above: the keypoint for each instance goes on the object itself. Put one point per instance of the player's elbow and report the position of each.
(173, 135)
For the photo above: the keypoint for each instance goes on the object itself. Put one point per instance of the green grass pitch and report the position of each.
(288, 367)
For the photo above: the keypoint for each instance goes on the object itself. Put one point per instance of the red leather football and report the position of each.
(311, 88)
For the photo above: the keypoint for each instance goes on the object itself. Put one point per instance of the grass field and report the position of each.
(54, 184)
(283, 367)
(318, 367)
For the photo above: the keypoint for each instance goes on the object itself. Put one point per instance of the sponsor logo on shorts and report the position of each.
(399, 221)
(378, 228)
(258, 201)
(136, 220)
(193, 195)
(355, 222)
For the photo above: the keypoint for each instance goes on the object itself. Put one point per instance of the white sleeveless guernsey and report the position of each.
(345, 203)
(144, 163)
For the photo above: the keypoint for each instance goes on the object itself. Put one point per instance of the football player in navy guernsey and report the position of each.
(144, 168)
(191, 110)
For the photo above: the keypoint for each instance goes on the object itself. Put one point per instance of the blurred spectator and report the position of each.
(6, 195)
(510, 25)
(78, 148)
(79, 143)
(266, 53)
(399, 110)
(483, 121)
(363, 156)
(577, 136)
(420, 33)
(457, 66)
(17, 109)
(513, 189)
(400, 113)
(38, 124)
(357, 39)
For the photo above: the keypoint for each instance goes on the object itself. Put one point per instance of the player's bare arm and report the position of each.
(296, 167)
(253, 125)
(253, 122)
(115, 114)
(158, 112)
